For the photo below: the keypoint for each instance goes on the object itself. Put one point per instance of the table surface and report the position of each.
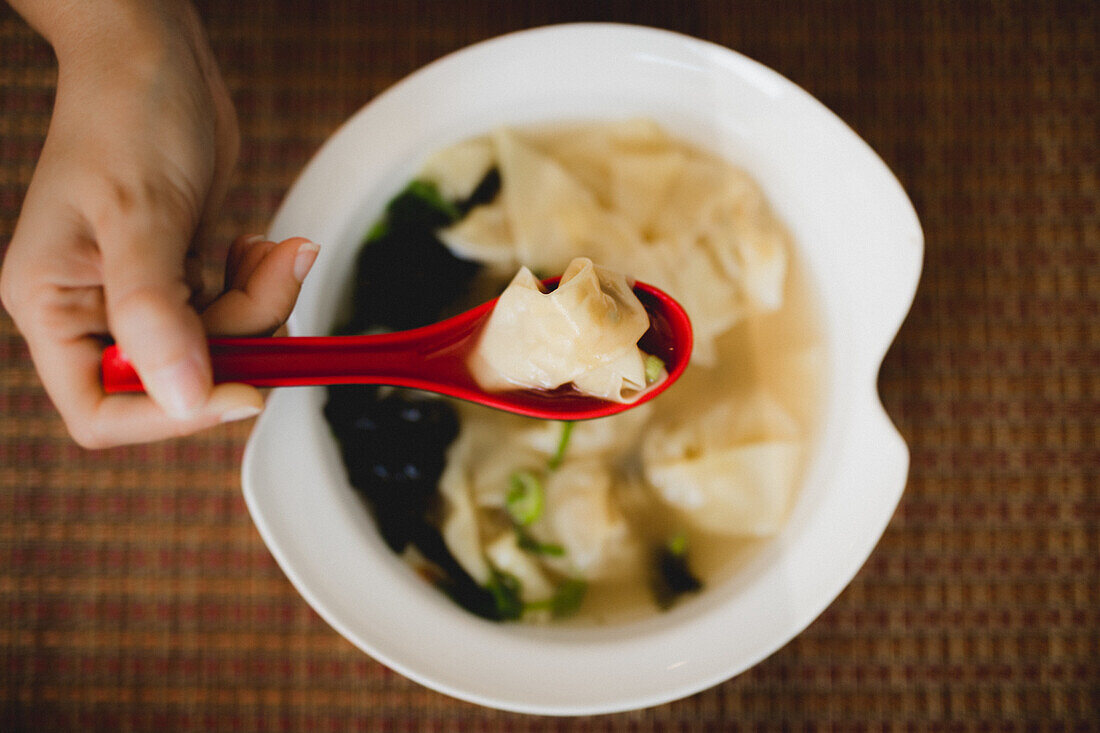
(135, 593)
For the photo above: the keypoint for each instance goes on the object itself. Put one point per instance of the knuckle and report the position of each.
(150, 302)
(30, 305)
(87, 434)
(271, 319)
(117, 204)
(9, 291)
(16, 278)
(109, 201)
(269, 310)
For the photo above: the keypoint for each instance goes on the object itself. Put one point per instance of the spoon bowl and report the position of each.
(431, 358)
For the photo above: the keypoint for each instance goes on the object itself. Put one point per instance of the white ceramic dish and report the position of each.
(859, 238)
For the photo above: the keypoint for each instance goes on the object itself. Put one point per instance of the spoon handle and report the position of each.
(289, 361)
(429, 357)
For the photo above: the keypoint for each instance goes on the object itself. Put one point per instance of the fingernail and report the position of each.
(303, 261)
(240, 413)
(254, 238)
(178, 388)
(235, 402)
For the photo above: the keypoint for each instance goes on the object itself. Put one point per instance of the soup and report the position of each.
(609, 519)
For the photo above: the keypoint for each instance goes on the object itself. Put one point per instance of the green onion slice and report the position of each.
(525, 498)
(653, 368)
(530, 544)
(563, 443)
(678, 544)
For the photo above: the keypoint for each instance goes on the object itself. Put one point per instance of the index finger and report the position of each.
(69, 367)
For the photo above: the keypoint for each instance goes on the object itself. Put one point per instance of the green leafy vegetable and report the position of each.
(525, 498)
(566, 600)
(379, 231)
(404, 255)
(506, 591)
(563, 443)
(419, 194)
(485, 192)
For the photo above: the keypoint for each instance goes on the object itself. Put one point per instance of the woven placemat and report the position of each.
(135, 593)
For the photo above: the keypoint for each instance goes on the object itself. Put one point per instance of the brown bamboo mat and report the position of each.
(135, 593)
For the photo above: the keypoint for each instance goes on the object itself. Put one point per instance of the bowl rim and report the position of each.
(869, 423)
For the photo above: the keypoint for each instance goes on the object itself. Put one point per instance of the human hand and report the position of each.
(262, 281)
(140, 146)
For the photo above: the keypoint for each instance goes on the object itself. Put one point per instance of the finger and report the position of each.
(71, 372)
(266, 298)
(235, 256)
(253, 253)
(148, 308)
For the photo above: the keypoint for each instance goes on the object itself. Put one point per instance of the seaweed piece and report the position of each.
(393, 449)
(406, 277)
(671, 577)
(393, 442)
(485, 192)
(507, 594)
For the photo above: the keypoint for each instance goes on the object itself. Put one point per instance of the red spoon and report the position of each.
(431, 358)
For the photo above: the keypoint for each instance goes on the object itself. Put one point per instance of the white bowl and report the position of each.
(858, 237)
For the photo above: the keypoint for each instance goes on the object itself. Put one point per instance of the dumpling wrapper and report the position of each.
(506, 556)
(554, 218)
(461, 524)
(583, 518)
(456, 171)
(634, 199)
(731, 470)
(484, 235)
(741, 491)
(580, 514)
(608, 437)
(585, 332)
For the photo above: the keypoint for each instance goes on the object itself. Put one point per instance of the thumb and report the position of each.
(149, 315)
